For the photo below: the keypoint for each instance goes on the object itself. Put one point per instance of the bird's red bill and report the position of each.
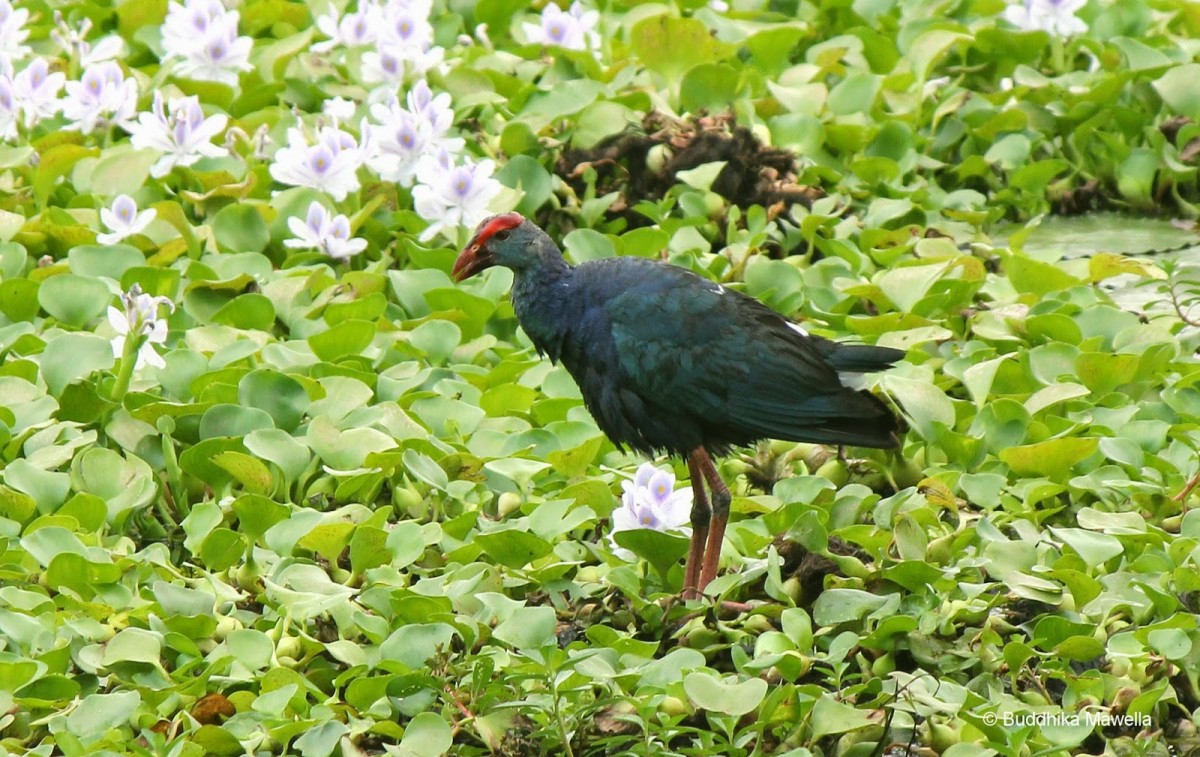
(474, 257)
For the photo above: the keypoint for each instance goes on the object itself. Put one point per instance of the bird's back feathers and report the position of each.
(667, 360)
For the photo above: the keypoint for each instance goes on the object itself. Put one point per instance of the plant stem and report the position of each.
(128, 363)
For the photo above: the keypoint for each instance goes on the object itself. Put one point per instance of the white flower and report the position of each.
(1054, 16)
(404, 45)
(203, 35)
(123, 220)
(405, 136)
(353, 29)
(435, 110)
(36, 91)
(102, 97)
(187, 24)
(450, 196)
(13, 32)
(184, 136)
(325, 232)
(339, 109)
(650, 501)
(10, 110)
(140, 319)
(573, 30)
(331, 165)
(222, 55)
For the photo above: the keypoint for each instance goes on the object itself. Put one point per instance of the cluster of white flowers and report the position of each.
(1056, 17)
(103, 97)
(201, 36)
(573, 30)
(403, 137)
(396, 35)
(29, 96)
(407, 144)
(651, 501)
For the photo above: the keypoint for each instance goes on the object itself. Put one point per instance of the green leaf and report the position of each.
(74, 356)
(1177, 87)
(426, 735)
(671, 46)
(98, 713)
(729, 697)
(278, 394)
(662, 550)
(53, 165)
(239, 227)
(513, 548)
(74, 300)
(249, 471)
(1053, 458)
(104, 260)
(528, 628)
(709, 86)
(247, 311)
(349, 337)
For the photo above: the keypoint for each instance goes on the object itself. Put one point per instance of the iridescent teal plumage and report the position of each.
(669, 361)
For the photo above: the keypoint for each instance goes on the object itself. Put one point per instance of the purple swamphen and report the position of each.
(669, 361)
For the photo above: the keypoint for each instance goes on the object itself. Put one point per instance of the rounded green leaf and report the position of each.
(73, 300)
(278, 394)
(716, 695)
(239, 227)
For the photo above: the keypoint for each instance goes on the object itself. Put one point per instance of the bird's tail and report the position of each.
(858, 358)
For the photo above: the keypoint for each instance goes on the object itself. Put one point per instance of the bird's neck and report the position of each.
(541, 297)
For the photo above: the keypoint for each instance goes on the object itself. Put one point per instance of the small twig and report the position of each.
(466, 712)
(1192, 484)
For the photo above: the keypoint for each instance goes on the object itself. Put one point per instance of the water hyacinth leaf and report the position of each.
(1177, 88)
(426, 735)
(133, 645)
(104, 260)
(662, 550)
(53, 165)
(528, 628)
(835, 606)
(513, 548)
(121, 170)
(349, 337)
(280, 448)
(247, 470)
(222, 549)
(728, 697)
(437, 339)
(709, 86)
(97, 713)
(239, 227)
(228, 420)
(1053, 458)
(671, 46)
(831, 716)
(278, 394)
(74, 300)
(414, 643)
(19, 299)
(528, 175)
(247, 311)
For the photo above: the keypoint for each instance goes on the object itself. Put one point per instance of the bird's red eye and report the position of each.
(502, 235)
